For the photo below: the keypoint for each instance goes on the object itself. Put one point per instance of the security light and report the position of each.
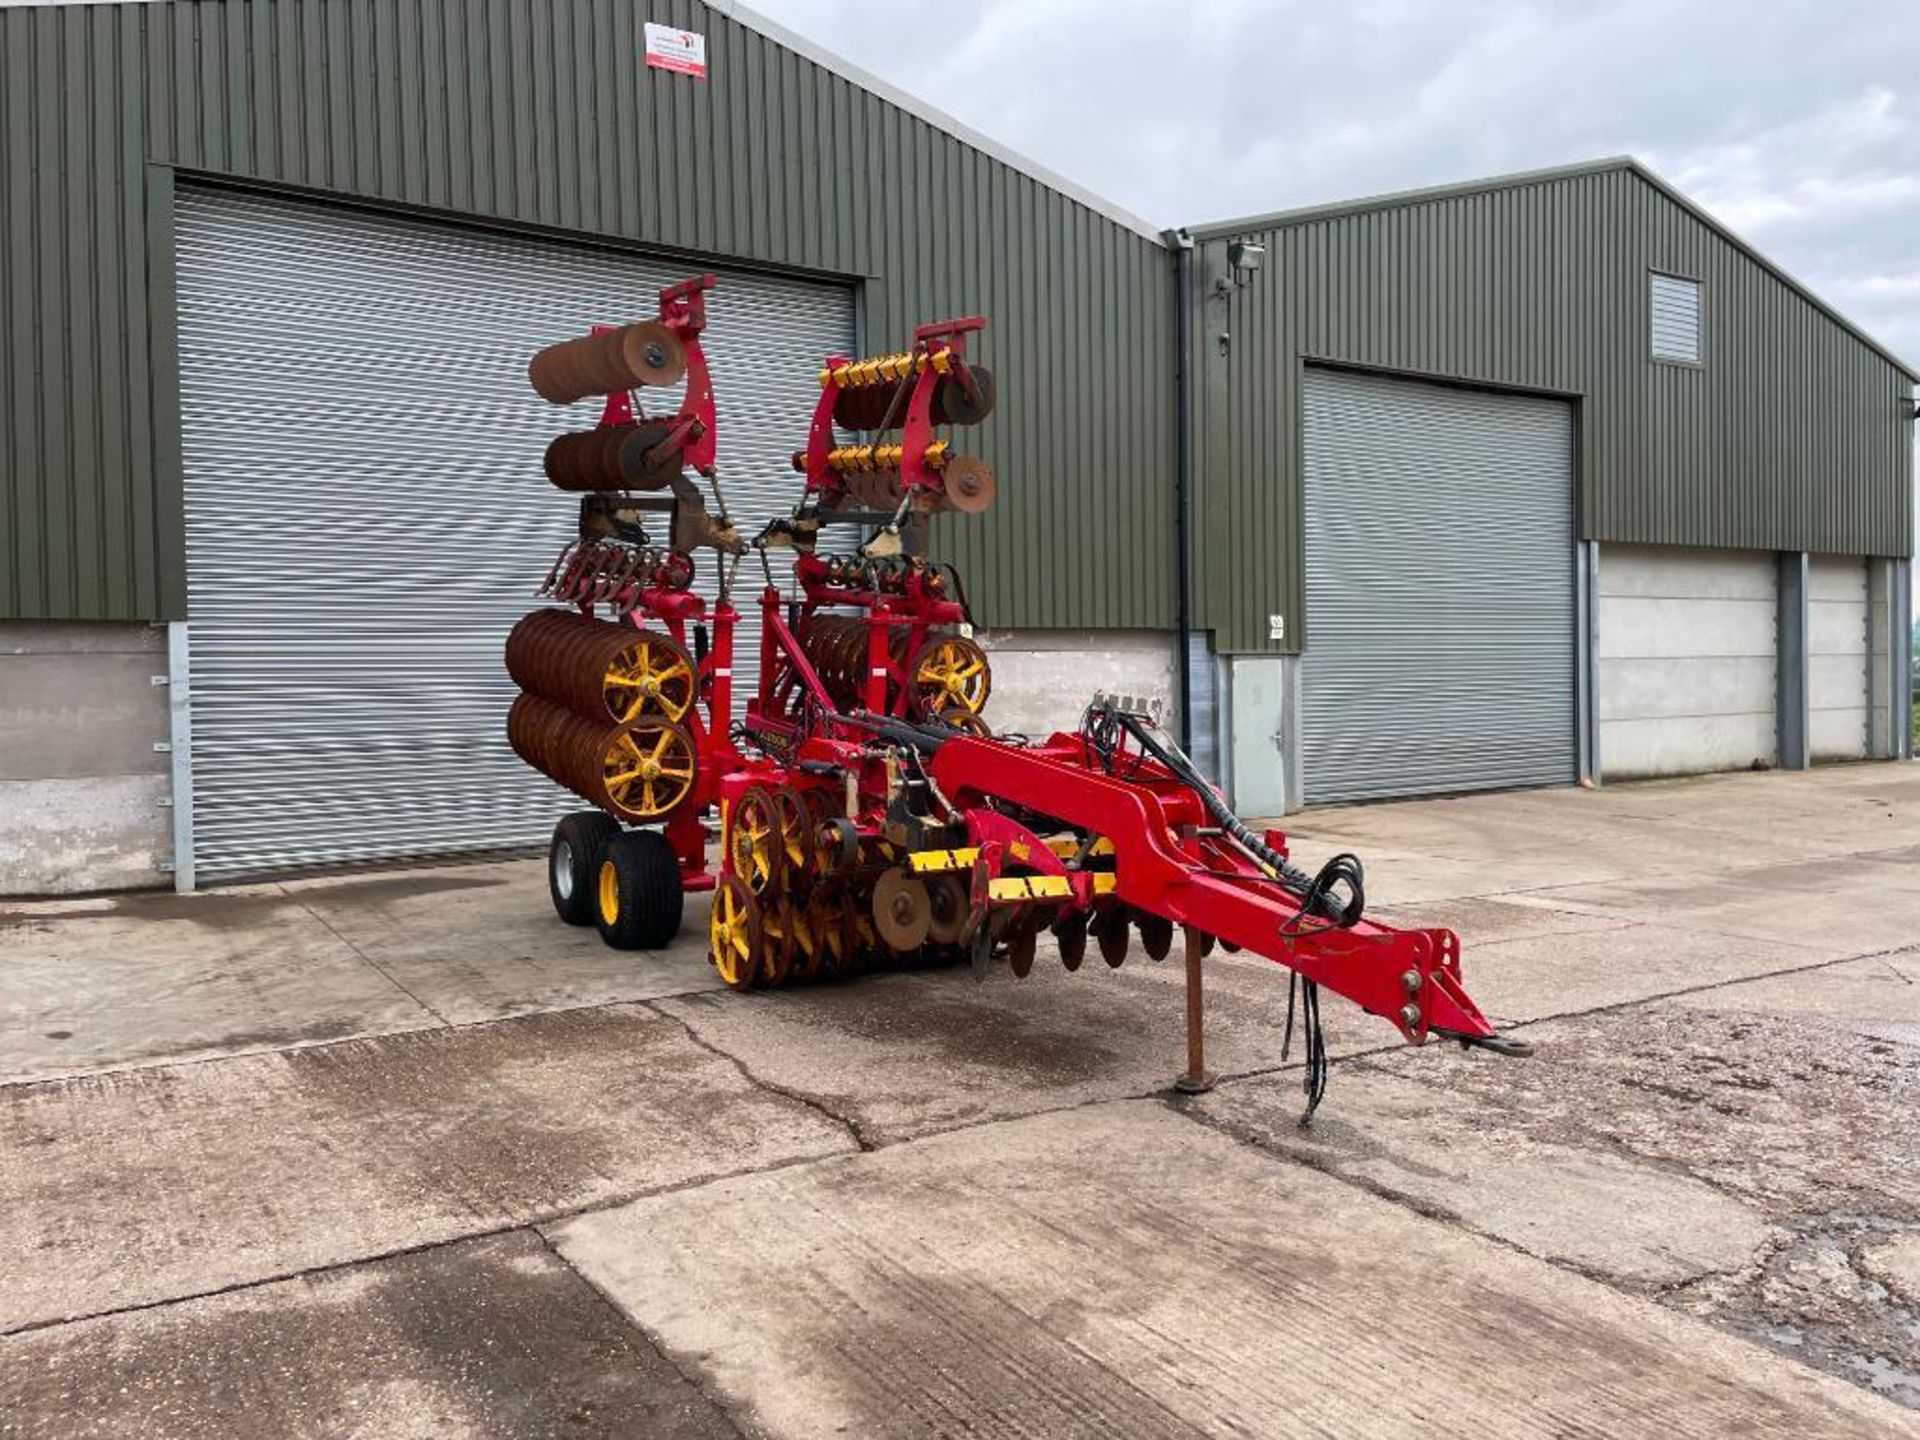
(1244, 257)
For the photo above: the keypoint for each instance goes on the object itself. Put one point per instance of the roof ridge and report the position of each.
(1307, 214)
(932, 114)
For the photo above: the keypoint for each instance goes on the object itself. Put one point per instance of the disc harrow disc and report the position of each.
(1113, 938)
(968, 484)
(1071, 934)
(902, 911)
(1020, 951)
(1156, 934)
(607, 363)
(947, 899)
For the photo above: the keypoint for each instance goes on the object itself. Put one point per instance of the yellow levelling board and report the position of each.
(929, 862)
(1009, 889)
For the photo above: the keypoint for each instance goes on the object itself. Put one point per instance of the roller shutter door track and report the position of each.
(366, 514)
(1440, 645)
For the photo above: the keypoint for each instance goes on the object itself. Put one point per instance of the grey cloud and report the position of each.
(1798, 124)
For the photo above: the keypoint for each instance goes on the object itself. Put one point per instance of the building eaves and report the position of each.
(939, 119)
(1282, 219)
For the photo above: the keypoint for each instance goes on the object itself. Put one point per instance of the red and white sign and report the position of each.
(680, 51)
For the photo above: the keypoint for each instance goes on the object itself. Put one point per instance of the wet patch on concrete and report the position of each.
(485, 1338)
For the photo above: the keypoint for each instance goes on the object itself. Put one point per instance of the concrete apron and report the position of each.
(1117, 1271)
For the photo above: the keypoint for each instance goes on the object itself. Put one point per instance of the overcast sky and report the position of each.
(1797, 124)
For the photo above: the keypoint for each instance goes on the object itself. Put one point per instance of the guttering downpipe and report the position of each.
(1182, 244)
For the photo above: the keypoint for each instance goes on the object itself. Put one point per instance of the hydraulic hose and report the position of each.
(1316, 893)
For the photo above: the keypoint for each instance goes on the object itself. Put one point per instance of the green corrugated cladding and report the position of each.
(1792, 435)
(540, 114)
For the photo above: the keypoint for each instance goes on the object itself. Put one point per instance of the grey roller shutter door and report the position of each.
(366, 514)
(1440, 645)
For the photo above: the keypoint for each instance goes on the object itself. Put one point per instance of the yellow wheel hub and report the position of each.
(649, 769)
(654, 677)
(951, 673)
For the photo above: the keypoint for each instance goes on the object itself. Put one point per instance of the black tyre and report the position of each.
(573, 860)
(637, 895)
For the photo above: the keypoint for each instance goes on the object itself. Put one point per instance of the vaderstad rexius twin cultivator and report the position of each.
(866, 813)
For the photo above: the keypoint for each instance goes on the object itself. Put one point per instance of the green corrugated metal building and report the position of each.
(1518, 482)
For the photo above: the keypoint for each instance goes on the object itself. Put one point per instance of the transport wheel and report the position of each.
(733, 933)
(573, 862)
(754, 846)
(1071, 933)
(637, 896)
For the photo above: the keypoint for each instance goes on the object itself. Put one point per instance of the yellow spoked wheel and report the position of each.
(776, 943)
(806, 956)
(649, 768)
(734, 933)
(949, 673)
(827, 921)
(796, 833)
(653, 676)
(856, 923)
(754, 846)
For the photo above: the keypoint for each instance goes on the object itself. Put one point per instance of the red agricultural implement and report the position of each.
(866, 813)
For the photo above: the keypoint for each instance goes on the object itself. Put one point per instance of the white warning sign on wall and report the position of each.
(681, 51)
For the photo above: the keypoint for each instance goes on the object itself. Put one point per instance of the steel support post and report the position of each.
(1196, 1081)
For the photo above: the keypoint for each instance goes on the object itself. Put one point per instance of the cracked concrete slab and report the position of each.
(1830, 909)
(135, 979)
(483, 1338)
(1878, 997)
(907, 1053)
(1740, 1164)
(152, 1184)
(1121, 1270)
(481, 942)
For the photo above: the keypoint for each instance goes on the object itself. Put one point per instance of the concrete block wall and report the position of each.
(1043, 679)
(82, 789)
(1688, 668)
(1839, 657)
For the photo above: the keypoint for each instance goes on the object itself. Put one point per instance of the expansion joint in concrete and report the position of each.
(696, 1378)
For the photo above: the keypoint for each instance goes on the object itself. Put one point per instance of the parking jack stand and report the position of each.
(1196, 1081)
